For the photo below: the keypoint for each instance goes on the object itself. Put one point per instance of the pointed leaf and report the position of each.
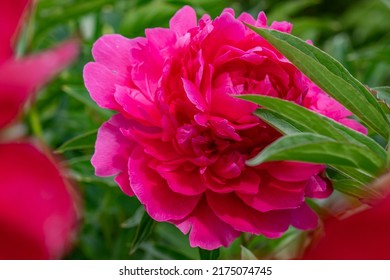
(246, 254)
(331, 76)
(289, 118)
(83, 141)
(144, 230)
(353, 188)
(308, 147)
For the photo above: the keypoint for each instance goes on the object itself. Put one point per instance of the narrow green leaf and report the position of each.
(290, 118)
(353, 188)
(144, 230)
(135, 219)
(80, 94)
(83, 141)
(358, 175)
(331, 76)
(208, 255)
(278, 122)
(309, 147)
(246, 254)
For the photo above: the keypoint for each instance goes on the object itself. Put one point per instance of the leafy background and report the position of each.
(114, 226)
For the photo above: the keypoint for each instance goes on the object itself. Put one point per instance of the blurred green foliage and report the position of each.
(114, 226)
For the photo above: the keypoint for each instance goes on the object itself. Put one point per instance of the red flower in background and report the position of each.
(37, 210)
(363, 236)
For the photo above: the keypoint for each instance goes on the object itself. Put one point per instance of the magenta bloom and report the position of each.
(37, 209)
(180, 140)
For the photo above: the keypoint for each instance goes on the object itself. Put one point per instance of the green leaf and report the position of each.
(135, 219)
(80, 94)
(290, 118)
(331, 76)
(355, 189)
(383, 93)
(208, 254)
(355, 174)
(246, 254)
(309, 147)
(83, 141)
(144, 230)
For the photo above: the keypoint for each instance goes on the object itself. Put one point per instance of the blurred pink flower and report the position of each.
(180, 140)
(20, 77)
(37, 210)
(362, 236)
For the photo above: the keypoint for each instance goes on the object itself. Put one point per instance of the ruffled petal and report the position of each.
(183, 20)
(100, 82)
(151, 189)
(233, 211)
(183, 181)
(112, 149)
(304, 218)
(276, 195)
(207, 231)
(292, 171)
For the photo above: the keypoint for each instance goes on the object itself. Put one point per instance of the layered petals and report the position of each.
(186, 137)
(206, 229)
(152, 190)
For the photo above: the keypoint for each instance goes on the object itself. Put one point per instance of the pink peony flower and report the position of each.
(180, 140)
(37, 209)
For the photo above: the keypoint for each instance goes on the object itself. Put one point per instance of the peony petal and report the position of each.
(122, 179)
(36, 70)
(114, 52)
(304, 218)
(136, 106)
(207, 231)
(247, 18)
(112, 149)
(292, 171)
(276, 195)
(233, 211)
(194, 95)
(182, 181)
(161, 203)
(355, 125)
(248, 183)
(100, 82)
(37, 211)
(319, 187)
(183, 20)
(261, 20)
(282, 26)
(10, 17)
